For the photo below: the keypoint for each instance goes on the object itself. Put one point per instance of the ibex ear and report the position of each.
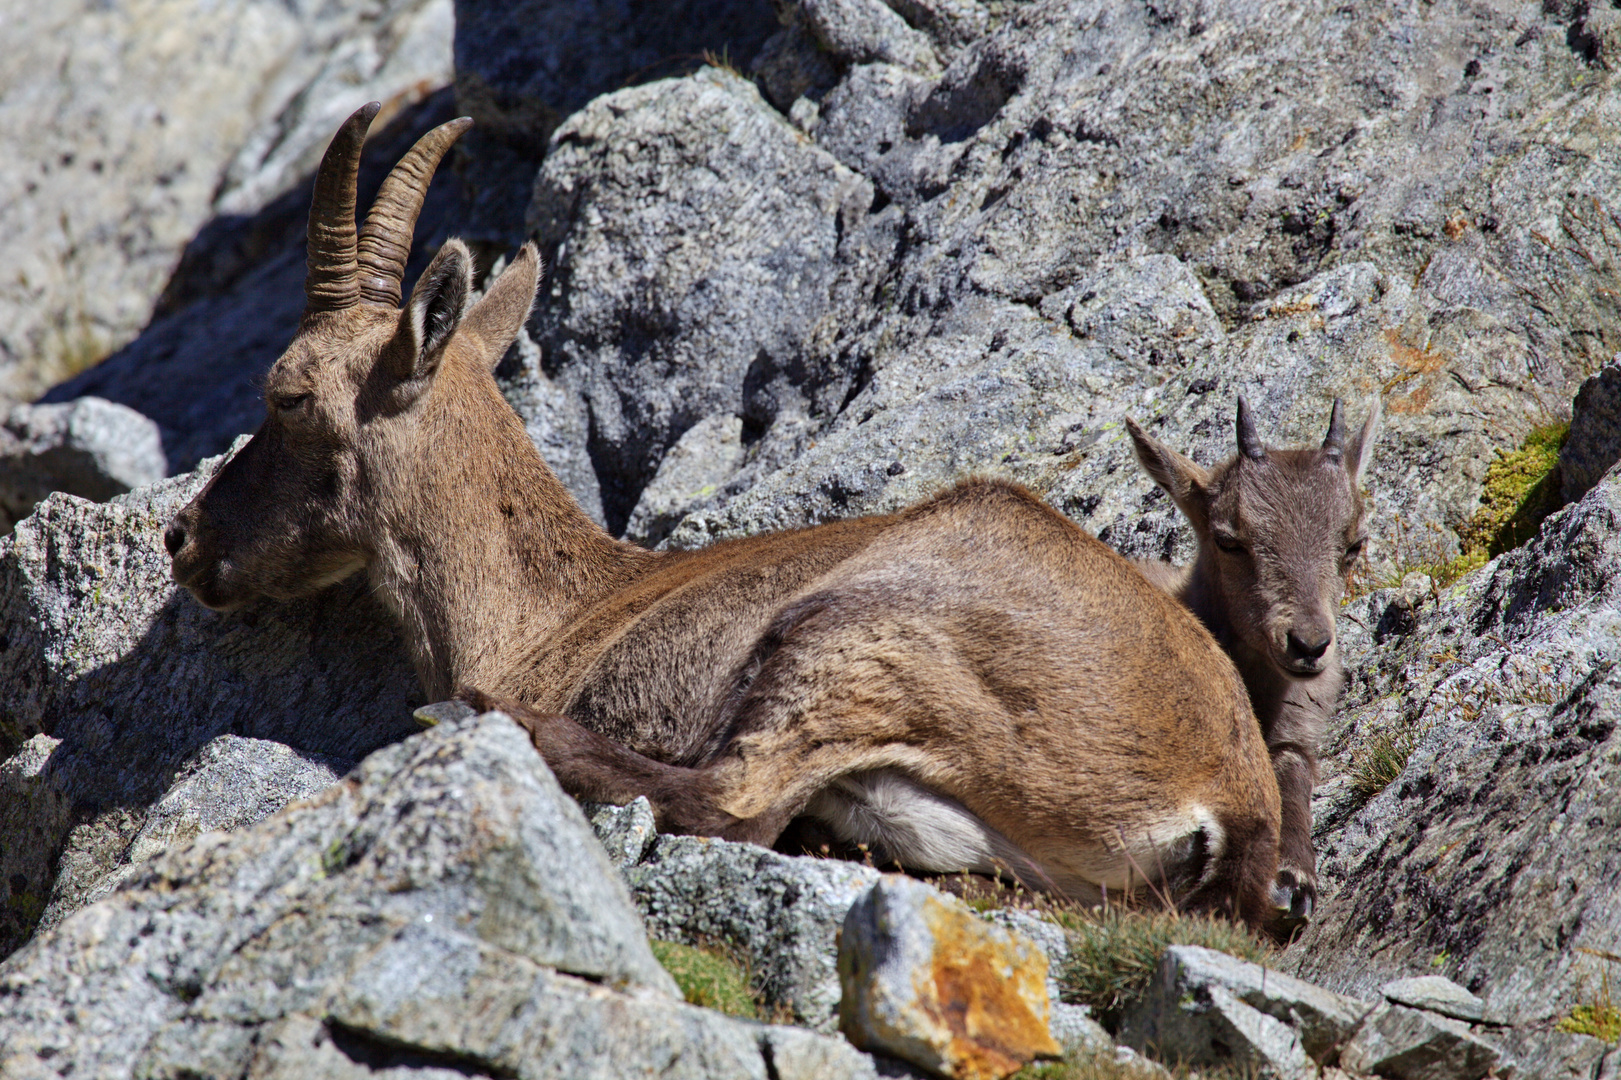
(1183, 479)
(501, 312)
(433, 313)
(1358, 453)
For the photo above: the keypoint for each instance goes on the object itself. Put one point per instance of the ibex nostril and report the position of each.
(174, 537)
(1309, 649)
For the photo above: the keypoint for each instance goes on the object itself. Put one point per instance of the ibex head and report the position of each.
(1279, 533)
(292, 512)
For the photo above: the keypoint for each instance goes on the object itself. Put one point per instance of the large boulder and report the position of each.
(446, 905)
(1490, 713)
(129, 126)
(720, 297)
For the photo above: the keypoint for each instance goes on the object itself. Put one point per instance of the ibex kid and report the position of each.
(1279, 532)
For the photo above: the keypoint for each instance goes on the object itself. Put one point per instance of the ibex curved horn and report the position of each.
(1334, 441)
(1249, 443)
(330, 284)
(385, 239)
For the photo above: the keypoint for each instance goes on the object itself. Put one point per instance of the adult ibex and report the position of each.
(1279, 532)
(974, 683)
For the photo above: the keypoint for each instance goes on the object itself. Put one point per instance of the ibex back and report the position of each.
(974, 683)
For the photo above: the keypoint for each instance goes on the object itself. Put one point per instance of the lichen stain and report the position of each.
(989, 998)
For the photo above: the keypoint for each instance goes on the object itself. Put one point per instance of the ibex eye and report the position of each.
(1227, 543)
(286, 402)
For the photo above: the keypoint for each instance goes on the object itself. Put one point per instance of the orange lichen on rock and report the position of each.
(927, 980)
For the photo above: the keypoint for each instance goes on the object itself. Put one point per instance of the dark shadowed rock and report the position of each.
(1594, 445)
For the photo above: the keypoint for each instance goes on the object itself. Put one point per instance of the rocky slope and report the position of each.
(883, 247)
(129, 126)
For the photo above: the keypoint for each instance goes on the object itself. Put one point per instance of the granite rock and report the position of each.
(926, 980)
(129, 127)
(782, 913)
(91, 448)
(1488, 859)
(131, 678)
(719, 297)
(1202, 1002)
(1435, 994)
(1407, 1044)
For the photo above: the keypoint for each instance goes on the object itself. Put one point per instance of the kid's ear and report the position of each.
(1358, 454)
(433, 313)
(1183, 479)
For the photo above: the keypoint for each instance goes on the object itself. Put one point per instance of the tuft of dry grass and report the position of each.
(1382, 759)
(1114, 950)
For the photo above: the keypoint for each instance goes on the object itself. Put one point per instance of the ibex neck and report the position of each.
(493, 556)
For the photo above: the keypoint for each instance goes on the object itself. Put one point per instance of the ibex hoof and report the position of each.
(1294, 895)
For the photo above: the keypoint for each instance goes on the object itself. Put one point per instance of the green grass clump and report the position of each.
(1522, 488)
(1381, 761)
(1114, 951)
(709, 976)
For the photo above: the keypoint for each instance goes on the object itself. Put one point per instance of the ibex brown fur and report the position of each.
(1279, 532)
(974, 683)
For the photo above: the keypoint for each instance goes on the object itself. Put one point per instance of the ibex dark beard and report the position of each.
(972, 684)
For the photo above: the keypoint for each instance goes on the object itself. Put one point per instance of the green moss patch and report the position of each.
(1601, 1020)
(709, 976)
(1522, 488)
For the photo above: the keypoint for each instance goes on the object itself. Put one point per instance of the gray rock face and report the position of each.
(721, 296)
(1595, 433)
(132, 677)
(447, 904)
(229, 784)
(90, 448)
(129, 127)
(1435, 994)
(1411, 1045)
(783, 913)
(1489, 859)
(1204, 1006)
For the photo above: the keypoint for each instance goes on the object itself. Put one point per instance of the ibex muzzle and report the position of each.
(972, 684)
(1279, 533)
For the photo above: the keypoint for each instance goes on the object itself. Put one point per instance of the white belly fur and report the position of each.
(924, 830)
